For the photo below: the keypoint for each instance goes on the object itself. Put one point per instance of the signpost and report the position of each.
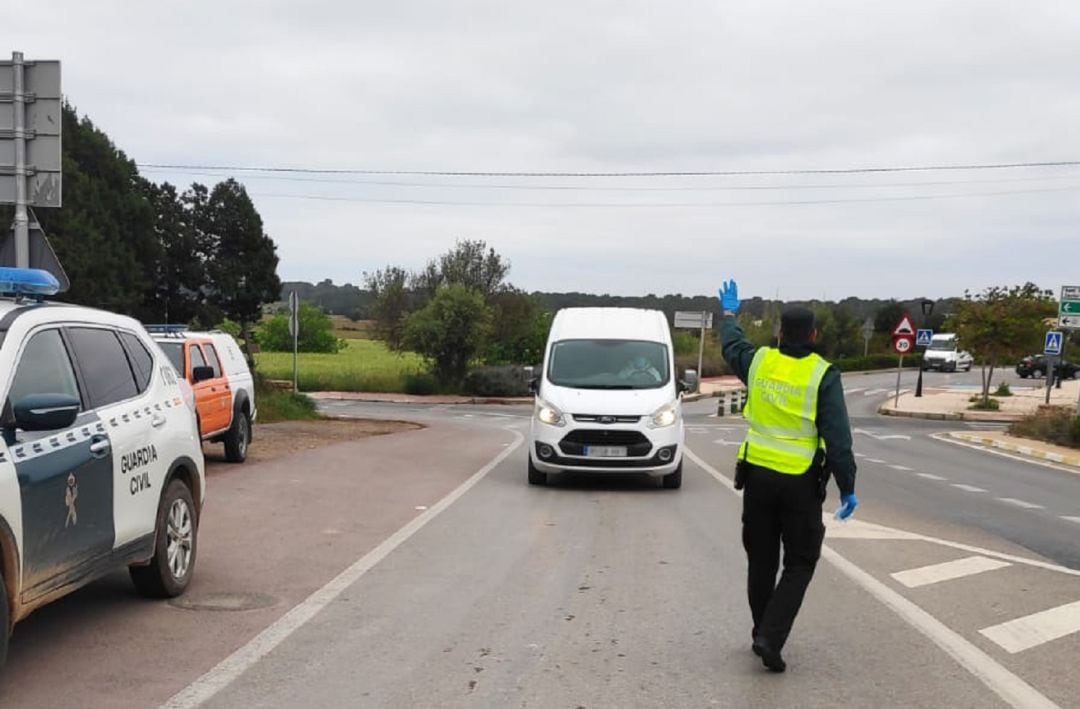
(1052, 347)
(294, 330)
(903, 343)
(30, 155)
(693, 320)
(867, 334)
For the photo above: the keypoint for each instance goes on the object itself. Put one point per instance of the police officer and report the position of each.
(799, 432)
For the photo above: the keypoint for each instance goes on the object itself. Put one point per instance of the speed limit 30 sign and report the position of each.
(903, 344)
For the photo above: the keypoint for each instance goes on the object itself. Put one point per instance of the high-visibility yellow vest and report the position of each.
(782, 411)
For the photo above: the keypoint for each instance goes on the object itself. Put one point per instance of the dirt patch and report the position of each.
(274, 440)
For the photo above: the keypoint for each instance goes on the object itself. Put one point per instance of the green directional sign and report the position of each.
(1070, 307)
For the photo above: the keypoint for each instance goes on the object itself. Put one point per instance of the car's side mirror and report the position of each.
(46, 412)
(689, 381)
(534, 385)
(201, 374)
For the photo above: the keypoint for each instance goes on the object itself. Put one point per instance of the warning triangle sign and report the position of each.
(904, 327)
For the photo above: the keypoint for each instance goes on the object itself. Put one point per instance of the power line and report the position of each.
(638, 205)
(685, 173)
(636, 188)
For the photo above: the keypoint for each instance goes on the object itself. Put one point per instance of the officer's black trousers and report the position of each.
(780, 509)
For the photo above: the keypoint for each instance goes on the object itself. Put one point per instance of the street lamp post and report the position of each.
(927, 309)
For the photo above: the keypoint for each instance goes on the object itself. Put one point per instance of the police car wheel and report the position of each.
(3, 622)
(673, 481)
(169, 572)
(237, 438)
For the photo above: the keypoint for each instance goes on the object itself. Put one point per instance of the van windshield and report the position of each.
(949, 344)
(609, 364)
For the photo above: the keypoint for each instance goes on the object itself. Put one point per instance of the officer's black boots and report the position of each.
(769, 657)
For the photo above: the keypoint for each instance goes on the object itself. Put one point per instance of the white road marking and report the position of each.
(723, 442)
(1072, 519)
(225, 672)
(853, 390)
(1021, 503)
(882, 436)
(994, 451)
(1011, 688)
(874, 460)
(1035, 629)
(900, 467)
(931, 476)
(968, 488)
(947, 571)
(860, 455)
(872, 392)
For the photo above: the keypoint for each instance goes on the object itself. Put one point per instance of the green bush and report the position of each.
(1053, 424)
(281, 405)
(316, 332)
(420, 384)
(497, 381)
(981, 404)
(1003, 390)
(875, 361)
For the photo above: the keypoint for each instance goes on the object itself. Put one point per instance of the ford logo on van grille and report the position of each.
(607, 419)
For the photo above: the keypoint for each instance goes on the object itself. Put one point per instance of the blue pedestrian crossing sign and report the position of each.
(922, 339)
(1053, 343)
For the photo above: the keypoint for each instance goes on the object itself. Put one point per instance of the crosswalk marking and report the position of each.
(1021, 503)
(947, 571)
(1035, 629)
(968, 488)
(930, 476)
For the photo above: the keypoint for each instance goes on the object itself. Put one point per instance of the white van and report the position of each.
(944, 353)
(607, 400)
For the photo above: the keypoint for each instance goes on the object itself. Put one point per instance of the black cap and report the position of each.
(796, 324)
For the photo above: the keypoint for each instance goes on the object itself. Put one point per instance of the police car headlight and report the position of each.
(665, 416)
(549, 414)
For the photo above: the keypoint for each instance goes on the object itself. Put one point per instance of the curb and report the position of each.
(432, 401)
(1026, 451)
(976, 416)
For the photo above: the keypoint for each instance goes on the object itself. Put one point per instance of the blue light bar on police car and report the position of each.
(27, 281)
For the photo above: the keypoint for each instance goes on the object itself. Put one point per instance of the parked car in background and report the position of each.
(224, 388)
(1036, 366)
(945, 354)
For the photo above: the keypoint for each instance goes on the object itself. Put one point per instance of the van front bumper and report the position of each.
(663, 457)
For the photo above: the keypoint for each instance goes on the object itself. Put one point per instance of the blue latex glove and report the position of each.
(729, 296)
(848, 503)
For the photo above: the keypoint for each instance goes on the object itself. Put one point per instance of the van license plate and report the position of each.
(605, 451)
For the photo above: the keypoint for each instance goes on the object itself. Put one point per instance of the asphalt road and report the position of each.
(421, 570)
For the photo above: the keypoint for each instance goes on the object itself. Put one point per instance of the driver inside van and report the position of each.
(639, 366)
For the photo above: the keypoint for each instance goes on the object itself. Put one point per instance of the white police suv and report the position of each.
(100, 463)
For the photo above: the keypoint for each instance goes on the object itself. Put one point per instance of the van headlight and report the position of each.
(549, 414)
(665, 416)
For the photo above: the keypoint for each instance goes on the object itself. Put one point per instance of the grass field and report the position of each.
(364, 365)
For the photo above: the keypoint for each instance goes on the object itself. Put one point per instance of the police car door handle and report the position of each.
(100, 447)
(158, 421)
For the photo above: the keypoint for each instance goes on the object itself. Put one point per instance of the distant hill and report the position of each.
(353, 302)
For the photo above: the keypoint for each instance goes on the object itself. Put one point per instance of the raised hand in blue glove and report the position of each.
(848, 503)
(729, 297)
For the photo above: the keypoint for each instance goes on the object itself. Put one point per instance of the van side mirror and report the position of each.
(201, 374)
(534, 385)
(46, 412)
(689, 381)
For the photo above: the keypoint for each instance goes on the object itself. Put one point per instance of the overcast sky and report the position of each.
(609, 86)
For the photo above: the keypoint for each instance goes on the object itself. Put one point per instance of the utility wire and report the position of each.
(595, 188)
(637, 205)
(686, 173)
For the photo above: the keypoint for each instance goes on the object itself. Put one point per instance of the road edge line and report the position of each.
(1006, 685)
(946, 437)
(217, 678)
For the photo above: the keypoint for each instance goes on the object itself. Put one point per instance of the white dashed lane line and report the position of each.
(968, 488)
(875, 460)
(1021, 503)
(931, 476)
(900, 467)
(1071, 519)
(949, 570)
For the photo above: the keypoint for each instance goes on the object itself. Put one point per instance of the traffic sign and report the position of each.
(40, 119)
(924, 337)
(1069, 322)
(1053, 342)
(903, 344)
(693, 319)
(904, 327)
(1069, 308)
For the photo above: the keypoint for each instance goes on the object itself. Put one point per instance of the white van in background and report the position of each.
(607, 399)
(944, 354)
